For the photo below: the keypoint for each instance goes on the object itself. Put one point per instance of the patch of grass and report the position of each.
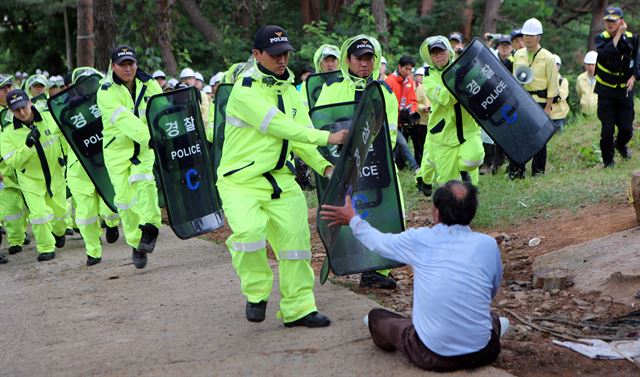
(574, 177)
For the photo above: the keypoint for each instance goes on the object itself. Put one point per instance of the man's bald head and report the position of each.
(456, 202)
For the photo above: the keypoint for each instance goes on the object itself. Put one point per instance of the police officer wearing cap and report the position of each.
(457, 42)
(265, 122)
(122, 99)
(617, 69)
(325, 59)
(30, 145)
(12, 210)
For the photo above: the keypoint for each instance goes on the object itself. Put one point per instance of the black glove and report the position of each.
(32, 137)
(424, 188)
(415, 118)
(404, 117)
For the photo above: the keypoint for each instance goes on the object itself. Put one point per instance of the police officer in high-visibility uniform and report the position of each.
(453, 146)
(13, 213)
(586, 84)
(266, 122)
(543, 88)
(31, 146)
(360, 63)
(122, 100)
(325, 59)
(617, 69)
(36, 87)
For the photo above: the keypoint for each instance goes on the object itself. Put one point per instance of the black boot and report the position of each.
(313, 319)
(148, 239)
(27, 239)
(139, 258)
(15, 249)
(60, 241)
(372, 279)
(44, 257)
(112, 234)
(92, 261)
(256, 312)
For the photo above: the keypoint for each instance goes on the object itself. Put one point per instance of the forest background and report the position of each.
(209, 36)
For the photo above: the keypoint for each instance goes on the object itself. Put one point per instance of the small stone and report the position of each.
(546, 307)
(586, 330)
(566, 307)
(502, 303)
(554, 292)
(588, 317)
(547, 295)
(580, 302)
(564, 294)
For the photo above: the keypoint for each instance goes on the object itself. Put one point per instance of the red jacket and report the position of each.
(405, 91)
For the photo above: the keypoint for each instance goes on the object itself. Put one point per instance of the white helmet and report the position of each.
(216, 78)
(420, 71)
(45, 74)
(383, 60)
(187, 72)
(199, 76)
(38, 71)
(207, 89)
(591, 57)
(159, 74)
(557, 59)
(532, 27)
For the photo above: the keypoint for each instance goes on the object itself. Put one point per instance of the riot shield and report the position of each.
(77, 114)
(179, 143)
(500, 105)
(222, 97)
(315, 83)
(364, 170)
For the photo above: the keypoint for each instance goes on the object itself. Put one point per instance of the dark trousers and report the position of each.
(538, 164)
(418, 134)
(612, 112)
(391, 331)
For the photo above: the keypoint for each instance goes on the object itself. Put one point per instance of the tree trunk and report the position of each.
(244, 17)
(105, 30)
(382, 28)
(333, 8)
(597, 12)
(315, 9)
(305, 9)
(163, 35)
(468, 19)
(425, 8)
(206, 28)
(490, 17)
(84, 44)
(67, 39)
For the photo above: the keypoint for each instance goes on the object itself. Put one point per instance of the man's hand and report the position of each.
(338, 215)
(622, 29)
(631, 83)
(328, 172)
(547, 109)
(32, 137)
(339, 137)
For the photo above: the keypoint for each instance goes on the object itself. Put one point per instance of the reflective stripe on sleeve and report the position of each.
(237, 122)
(140, 177)
(8, 155)
(264, 125)
(42, 220)
(295, 254)
(88, 221)
(249, 246)
(393, 127)
(15, 217)
(116, 113)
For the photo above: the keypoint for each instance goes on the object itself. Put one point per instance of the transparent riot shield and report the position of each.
(315, 83)
(222, 97)
(500, 105)
(364, 170)
(77, 114)
(179, 142)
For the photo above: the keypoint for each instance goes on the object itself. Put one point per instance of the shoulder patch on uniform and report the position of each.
(334, 80)
(247, 81)
(629, 34)
(605, 34)
(143, 76)
(384, 83)
(106, 86)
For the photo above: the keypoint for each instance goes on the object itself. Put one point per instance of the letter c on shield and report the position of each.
(193, 186)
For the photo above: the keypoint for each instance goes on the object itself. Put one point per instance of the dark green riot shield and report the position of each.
(500, 105)
(364, 170)
(77, 114)
(178, 139)
(222, 97)
(315, 83)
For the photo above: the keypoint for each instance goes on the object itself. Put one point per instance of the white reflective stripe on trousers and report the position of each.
(470, 163)
(295, 254)
(88, 221)
(42, 220)
(264, 125)
(116, 113)
(15, 217)
(140, 177)
(126, 206)
(249, 246)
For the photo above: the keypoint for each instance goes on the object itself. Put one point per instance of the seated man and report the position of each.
(457, 274)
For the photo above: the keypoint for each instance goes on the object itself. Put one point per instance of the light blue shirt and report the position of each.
(456, 272)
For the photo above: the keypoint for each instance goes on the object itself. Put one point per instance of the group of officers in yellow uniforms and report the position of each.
(266, 120)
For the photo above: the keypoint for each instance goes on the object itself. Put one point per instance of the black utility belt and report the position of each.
(542, 93)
